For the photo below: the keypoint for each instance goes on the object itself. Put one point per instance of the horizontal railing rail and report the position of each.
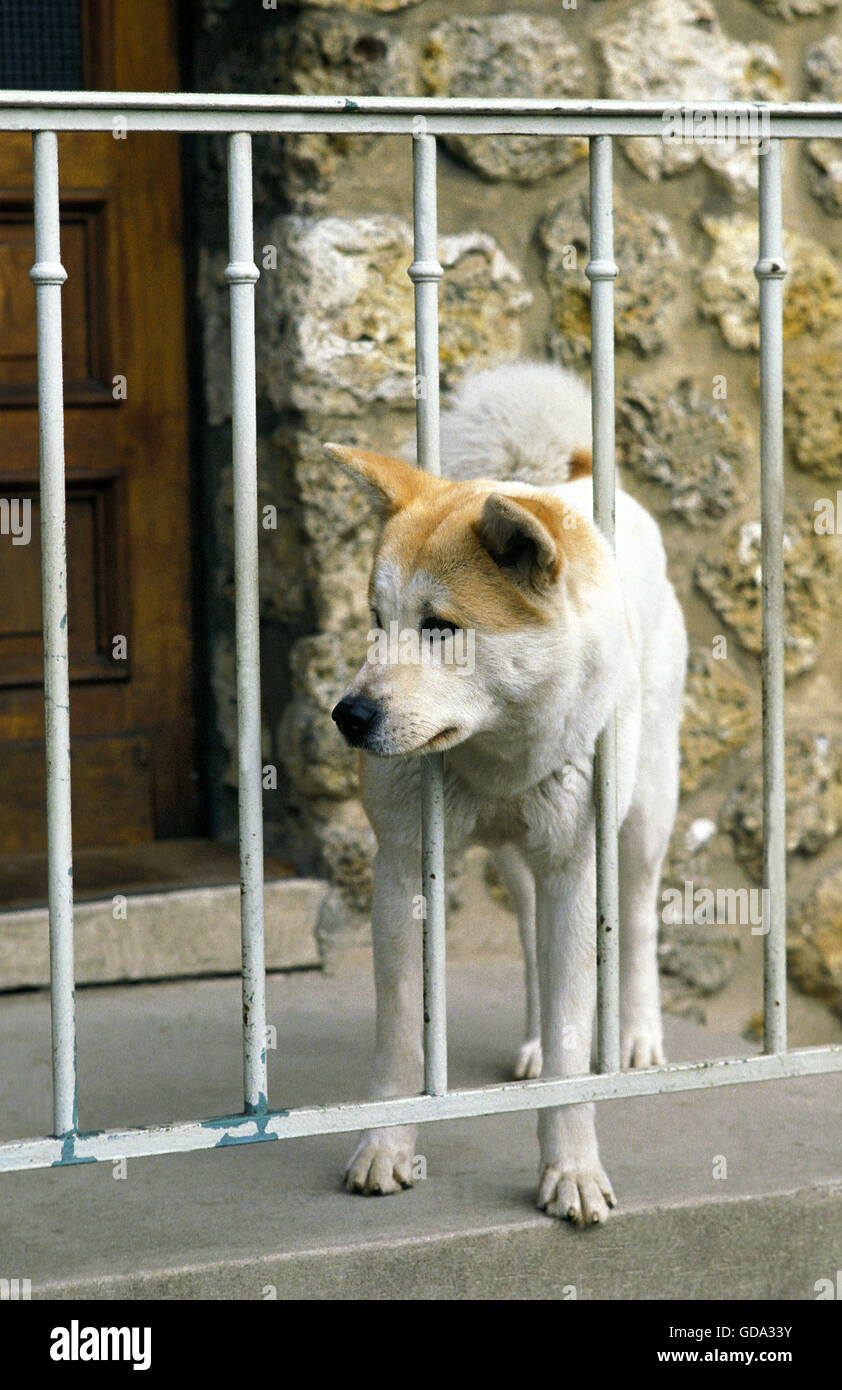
(345, 1116)
(44, 114)
(198, 112)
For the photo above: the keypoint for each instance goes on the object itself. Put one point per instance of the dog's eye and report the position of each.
(435, 624)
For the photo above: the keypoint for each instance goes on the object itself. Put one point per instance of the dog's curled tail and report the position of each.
(526, 422)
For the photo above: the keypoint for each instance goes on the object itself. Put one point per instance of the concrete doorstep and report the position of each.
(734, 1193)
(155, 936)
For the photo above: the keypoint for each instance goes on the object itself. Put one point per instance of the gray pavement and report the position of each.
(272, 1220)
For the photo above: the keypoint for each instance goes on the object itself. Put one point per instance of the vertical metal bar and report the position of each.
(770, 270)
(48, 275)
(601, 271)
(241, 275)
(425, 273)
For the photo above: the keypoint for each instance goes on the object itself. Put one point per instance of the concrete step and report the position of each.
(272, 1220)
(153, 936)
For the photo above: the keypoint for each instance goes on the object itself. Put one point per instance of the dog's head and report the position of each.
(473, 588)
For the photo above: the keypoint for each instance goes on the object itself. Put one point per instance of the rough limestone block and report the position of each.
(676, 51)
(694, 448)
(338, 324)
(814, 942)
(328, 55)
(826, 174)
(823, 71)
(337, 54)
(316, 758)
(813, 801)
(796, 9)
(813, 413)
(648, 259)
(812, 285)
(731, 577)
(719, 717)
(338, 526)
(505, 55)
(284, 596)
(378, 6)
(348, 852)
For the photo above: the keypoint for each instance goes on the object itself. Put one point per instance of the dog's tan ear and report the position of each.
(391, 482)
(518, 533)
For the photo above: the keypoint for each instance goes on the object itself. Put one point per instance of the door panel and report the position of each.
(110, 774)
(97, 546)
(126, 446)
(85, 323)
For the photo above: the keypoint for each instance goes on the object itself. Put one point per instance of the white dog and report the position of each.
(504, 548)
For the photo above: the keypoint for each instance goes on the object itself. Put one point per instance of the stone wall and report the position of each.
(333, 241)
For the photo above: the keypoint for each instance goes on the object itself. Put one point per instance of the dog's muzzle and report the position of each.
(356, 718)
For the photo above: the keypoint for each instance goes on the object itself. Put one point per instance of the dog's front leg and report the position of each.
(382, 1161)
(572, 1185)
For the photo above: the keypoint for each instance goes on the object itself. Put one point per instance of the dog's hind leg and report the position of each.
(644, 840)
(383, 1159)
(520, 885)
(641, 1029)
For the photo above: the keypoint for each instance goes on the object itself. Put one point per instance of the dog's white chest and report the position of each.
(546, 816)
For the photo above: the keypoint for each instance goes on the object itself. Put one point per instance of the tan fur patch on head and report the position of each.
(580, 465)
(442, 534)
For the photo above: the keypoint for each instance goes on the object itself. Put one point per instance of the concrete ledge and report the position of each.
(182, 932)
(724, 1194)
(771, 1247)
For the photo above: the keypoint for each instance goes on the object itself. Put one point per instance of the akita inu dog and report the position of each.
(504, 546)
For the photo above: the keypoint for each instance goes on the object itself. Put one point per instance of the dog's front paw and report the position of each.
(642, 1044)
(528, 1060)
(380, 1165)
(581, 1194)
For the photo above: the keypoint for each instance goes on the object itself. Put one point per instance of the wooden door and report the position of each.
(128, 485)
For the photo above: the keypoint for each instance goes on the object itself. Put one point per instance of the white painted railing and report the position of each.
(421, 120)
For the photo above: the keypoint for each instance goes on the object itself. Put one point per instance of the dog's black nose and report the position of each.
(354, 717)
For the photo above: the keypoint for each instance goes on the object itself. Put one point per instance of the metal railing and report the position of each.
(44, 114)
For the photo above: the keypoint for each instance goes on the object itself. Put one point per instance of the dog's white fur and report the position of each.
(518, 772)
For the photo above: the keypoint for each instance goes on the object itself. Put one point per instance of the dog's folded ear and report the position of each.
(518, 534)
(392, 483)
